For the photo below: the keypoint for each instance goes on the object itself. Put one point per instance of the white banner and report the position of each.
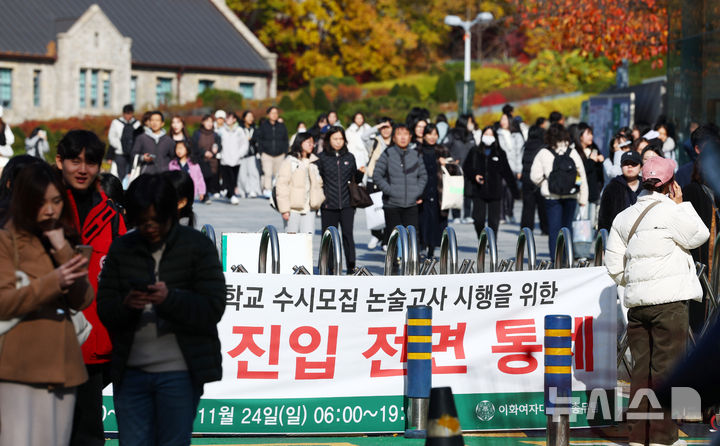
(325, 354)
(339, 336)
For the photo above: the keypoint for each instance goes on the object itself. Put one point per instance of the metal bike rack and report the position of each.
(448, 252)
(487, 241)
(525, 238)
(600, 244)
(330, 244)
(209, 232)
(397, 248)
(413, 262)
(269, 236)
(564, 246)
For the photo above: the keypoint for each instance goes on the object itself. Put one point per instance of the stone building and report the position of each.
(90, 57)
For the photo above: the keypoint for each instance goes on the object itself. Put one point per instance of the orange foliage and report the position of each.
(616, 29)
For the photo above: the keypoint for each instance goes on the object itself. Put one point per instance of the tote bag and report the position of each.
(453, 190)
(374, 214)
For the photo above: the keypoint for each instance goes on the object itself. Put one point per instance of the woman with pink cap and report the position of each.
(648, 253)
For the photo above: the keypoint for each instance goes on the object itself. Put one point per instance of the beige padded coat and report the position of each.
(298, 186)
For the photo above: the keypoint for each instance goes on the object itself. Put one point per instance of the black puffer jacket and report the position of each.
(616, 197)
(532, 147)
(194, 305)
(272, 139)
(337, 169)
(493, 168)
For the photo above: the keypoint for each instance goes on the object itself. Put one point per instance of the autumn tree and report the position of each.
(316, 38)
(616, 29)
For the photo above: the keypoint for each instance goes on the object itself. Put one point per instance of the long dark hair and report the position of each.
(334, 129)
(495, 145)
(576, 133)
(184, 127)
(296, 148)
(185, 188)
(28, 196)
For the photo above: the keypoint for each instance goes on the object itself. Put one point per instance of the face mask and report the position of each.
(488, 140)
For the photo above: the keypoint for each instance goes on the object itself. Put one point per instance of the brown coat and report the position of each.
(42, 348)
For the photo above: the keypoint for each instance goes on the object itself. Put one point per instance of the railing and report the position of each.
(564, 249)
(525, 239)
(330, 245)
(487, 241)
(398, 249)
(269, 237)
(448, 252)
(209, 232)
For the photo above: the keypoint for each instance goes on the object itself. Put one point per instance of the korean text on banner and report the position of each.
(325, 354)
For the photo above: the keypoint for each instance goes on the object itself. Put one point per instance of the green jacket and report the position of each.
(195, 303)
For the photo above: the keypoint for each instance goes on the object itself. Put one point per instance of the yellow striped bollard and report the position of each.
(419, 369)
(558, 378)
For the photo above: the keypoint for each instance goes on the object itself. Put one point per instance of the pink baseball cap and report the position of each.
(660, 168)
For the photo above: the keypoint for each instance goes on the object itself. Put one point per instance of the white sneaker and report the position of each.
(252, 195)
(234, 200)
(267, 193)
(456, 221)
(372, 244)
(385, 248)
(215, 196)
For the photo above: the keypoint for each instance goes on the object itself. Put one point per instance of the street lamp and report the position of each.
(453, 20)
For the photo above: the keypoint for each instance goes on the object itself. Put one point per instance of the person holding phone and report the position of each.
(648, 253)
(161, 295)
(41, 280)
(592, 159)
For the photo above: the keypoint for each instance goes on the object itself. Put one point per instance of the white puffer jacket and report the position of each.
(659, 267)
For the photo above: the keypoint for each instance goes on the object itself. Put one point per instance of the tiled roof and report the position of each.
(188, 33)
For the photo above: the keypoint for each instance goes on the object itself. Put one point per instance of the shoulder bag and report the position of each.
(635, 226)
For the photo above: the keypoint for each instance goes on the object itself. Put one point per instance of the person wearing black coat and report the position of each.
(273, 145)
(706, 203)
(160, 295)
(337, 168)
(460, 141)
(531, 196)
(484, 169)
(622, 191)
(206, 144)
(433, 220)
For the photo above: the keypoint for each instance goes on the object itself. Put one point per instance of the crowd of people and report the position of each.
(85, 302)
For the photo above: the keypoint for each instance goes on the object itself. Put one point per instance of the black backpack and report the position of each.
(562, 178)
(128, 137)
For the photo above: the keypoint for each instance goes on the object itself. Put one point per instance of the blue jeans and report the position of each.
(560, 214)
(155, 408)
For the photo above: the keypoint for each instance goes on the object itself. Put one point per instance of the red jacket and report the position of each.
(101, 226)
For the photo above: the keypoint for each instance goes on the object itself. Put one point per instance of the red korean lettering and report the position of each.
(582, 337)
(381, 343)
(306, 369)
(449, 339)
(520, 334)
(247, 342)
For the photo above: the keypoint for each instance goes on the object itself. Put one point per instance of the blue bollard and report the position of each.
(419, 370)
(558, 376)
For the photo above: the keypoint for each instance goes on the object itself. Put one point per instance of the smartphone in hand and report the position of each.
(139, 285)
(84, 250)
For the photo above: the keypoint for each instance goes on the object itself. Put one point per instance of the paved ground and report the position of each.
(252, 215)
